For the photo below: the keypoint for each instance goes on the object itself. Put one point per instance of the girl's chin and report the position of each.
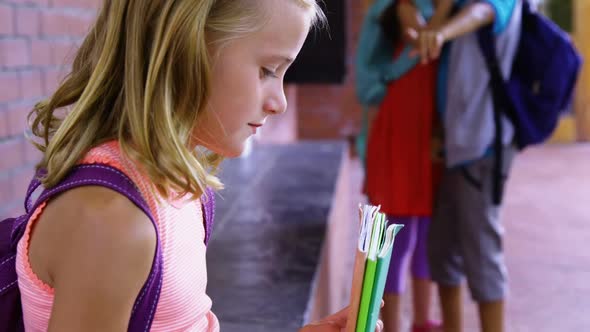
(234, 150)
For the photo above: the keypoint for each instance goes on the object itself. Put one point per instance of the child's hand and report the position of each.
(441, 14)
(436, 22)
(335, 323)
(427, 43)
(409, 19)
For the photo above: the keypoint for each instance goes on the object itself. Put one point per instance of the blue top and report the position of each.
(374, 66)
(504, 10)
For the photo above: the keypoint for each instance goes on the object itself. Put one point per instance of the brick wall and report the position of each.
(331, 111)
(37, 40)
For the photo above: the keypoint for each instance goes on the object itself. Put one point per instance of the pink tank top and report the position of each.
(183, 304)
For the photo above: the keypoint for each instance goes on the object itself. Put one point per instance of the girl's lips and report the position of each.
(254, 127)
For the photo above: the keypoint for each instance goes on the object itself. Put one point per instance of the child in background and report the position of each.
(400, 165)
(466, 239)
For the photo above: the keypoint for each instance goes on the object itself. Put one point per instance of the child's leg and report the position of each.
(481, 233)
(405, 242)
(451, 303)
(421, 283)
(445, 262)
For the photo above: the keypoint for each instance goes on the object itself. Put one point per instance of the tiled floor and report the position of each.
(547, 243)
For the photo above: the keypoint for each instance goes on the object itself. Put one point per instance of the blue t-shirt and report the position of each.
(503, 14)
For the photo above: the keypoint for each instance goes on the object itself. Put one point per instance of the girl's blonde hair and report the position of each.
(142, 76)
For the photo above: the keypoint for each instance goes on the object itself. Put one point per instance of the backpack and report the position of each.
(544, 73)
(12, 229)
(540, 86)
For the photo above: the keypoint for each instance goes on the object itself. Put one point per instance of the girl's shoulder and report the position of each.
(85, 224)
(91, 242)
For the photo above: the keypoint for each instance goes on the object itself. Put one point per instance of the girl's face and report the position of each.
(247, 79)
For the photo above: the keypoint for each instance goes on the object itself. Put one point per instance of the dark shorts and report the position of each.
(465, 237)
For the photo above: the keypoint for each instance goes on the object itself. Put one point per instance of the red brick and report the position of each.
(44, 3)
(85, 4)
(54, 23)
(9, 86)
(51, 80)
(3, 123)
(52, 53)
(14, 53)
(20, 182)
(63, 53)
(326, 111)
(12, 153)
(27, 21)
(41, 53)
(31, 84)
(32, 154)
(6, 191)
(16, 118)
(6, 20)
(12, 208)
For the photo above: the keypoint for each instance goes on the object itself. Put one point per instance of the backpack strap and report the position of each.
(208, 208)
(501, 104)
(34, 185)
(106, 176)
(207, 204)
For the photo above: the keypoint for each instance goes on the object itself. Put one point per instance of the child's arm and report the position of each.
(468, 20)
(95, 248)
(409, 18)
(441, 13)
(429, 42)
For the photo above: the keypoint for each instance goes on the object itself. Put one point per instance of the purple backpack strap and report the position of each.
(143, 311)
(207, 203)
(208, 206)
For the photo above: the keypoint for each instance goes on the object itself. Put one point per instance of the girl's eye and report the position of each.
(264, 72)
